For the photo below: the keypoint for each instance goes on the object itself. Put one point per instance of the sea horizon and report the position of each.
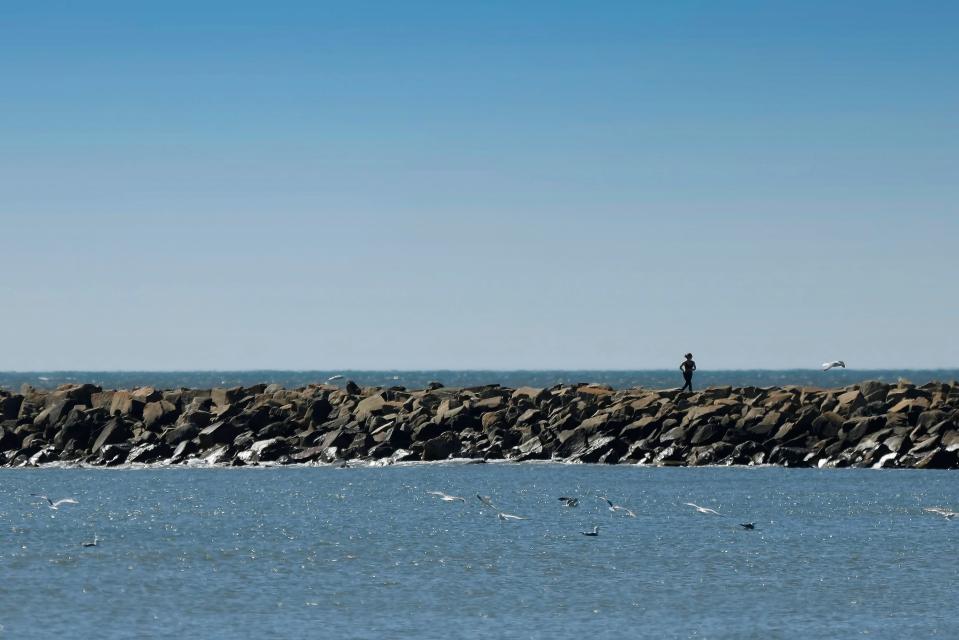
(416, 378)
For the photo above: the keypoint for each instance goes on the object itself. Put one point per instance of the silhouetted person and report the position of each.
(687, 367)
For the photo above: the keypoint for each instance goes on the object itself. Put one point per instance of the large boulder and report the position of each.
(271, 449)
(571, 442)
(114, 431)
(218, 433)
(10, 407)
(223, 397)
(179, 433)
(707, 434)
(76, 427)
(159, 413)
(603, 449)
(147, 453)
(939, 459)
(441, 447)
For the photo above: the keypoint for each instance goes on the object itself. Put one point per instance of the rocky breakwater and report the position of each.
(871, 424)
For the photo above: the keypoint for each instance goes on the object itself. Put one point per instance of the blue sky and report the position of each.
(228, 185)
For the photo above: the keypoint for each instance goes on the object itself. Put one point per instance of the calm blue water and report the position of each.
(656, 379)
(366, 553)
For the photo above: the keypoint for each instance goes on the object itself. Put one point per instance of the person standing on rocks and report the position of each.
(687, 367)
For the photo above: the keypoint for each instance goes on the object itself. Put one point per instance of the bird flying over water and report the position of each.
(615, 507)
(568, 501)
(594, 532)
(445, 497)
(55, 505)
(939, 511)
(488, 501)
(92, 543)
(826, 366)
(705, 510)
(748, 526)
(509, 516)
(336, 377)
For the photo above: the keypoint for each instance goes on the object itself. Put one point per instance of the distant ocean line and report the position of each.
(619, 379)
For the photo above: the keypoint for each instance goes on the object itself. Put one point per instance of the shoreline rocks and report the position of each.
(869, 424)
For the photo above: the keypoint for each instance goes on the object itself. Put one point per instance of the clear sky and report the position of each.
(317, 185)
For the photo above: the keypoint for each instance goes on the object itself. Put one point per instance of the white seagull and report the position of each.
(509, 516)
(939, 511)
(826, 366)
(336, 377)
(55, 505)
(705, 510)
(594, 532)
(93, 543)
(568, 501)
(615, 507)
(445, 497)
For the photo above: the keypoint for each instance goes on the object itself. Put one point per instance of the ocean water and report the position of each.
(367, 553)
(655, 379)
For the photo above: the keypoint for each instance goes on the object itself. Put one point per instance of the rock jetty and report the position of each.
(871, 424)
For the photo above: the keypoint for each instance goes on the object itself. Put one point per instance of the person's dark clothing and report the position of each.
(687, 367)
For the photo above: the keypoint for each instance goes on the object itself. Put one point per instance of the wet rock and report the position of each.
(147, 453)
(603, 449)
(271, 449)
(938, 459)
(183, 450)
(114, 454)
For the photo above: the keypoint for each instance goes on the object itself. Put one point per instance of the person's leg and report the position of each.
(689, 382)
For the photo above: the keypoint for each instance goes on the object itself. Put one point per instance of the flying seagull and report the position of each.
(593, 533)
(488, 501)
(705, 510)
(615, 507)
(826, 366)
(336, 377)
(55, 505)
(748, 526)
(509, 516)
(568, 501)
(939, 511)
(92, 543)
(445, 497)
